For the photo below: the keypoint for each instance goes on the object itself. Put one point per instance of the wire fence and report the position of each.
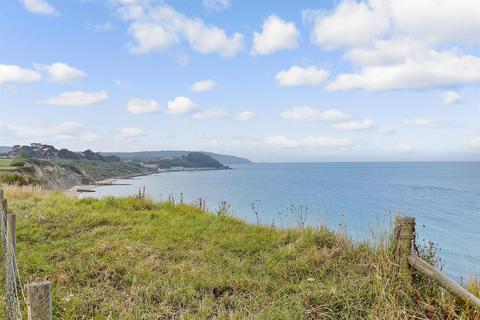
(19, 297)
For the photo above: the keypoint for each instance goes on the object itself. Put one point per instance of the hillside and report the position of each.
(61, 168)
(222, 158)
(136, 259)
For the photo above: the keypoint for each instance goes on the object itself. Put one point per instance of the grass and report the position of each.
(5, 165)
(137, 259)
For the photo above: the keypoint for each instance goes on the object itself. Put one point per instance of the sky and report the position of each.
(379, 80)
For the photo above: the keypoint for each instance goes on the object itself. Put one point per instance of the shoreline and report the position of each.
(78, 190)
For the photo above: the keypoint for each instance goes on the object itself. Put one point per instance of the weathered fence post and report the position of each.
(39, 296)
(10, 272)
(8, 259)
(405, 237)
(12, 232)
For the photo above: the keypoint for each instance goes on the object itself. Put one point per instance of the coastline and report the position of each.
(78, 190)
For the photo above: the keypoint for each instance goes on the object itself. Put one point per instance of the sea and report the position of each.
(360, 199)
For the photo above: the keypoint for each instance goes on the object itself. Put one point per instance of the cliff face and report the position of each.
(56, 176)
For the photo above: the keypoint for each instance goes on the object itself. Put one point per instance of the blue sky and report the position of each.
(272, 81)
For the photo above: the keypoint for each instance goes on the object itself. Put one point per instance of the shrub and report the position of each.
(14, 179)
(17, 164)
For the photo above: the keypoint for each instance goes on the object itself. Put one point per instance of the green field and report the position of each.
(5, 165)
(136, 259)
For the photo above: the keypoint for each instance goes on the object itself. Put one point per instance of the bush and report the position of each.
(14, 179)
(17, 164)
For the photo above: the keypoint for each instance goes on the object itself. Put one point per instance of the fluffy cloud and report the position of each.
(13, 73)
(210, 113)
(130, 133)
(311, 114)
(351, 23)
(77, 99)
(61, 72)
(401, 44)
(39, 7)
(216, 5)
(204, 85)
(475, 142)
(436, 21)
(159, 27)
(355, 125)
(419, 122)
(451, 97)
(43, 131)
(428, 69)
(180, 105)
(244, 116)
(276, 35)
(151, 37)
(137, 106)
(308, 142)
(299, 76)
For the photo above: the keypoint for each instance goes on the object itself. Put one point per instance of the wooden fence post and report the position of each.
(8, 261)
(10, 272)
(39, 296)
(405, 237)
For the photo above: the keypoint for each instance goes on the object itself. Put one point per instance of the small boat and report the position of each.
(364, 172)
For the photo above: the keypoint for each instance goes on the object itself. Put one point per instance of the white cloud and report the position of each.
(43, 131)
(61, 72)
(401, 44)
(419, 122)
(159, 27)
(308, 142)
(216, 5)
(351, 23)
(276, 35)
(437, 21)
(77, 98)
(130, 133)
(244, 116)
(311, 114)
(137, 106)
(475, 142)
(387, 52)
(298, 76)
(39, 7)
(427, 69)
(151, 37)
(451, 97)
(210, 113)
(180, 105)
(355, 125)
(13, 73)
(203, 85)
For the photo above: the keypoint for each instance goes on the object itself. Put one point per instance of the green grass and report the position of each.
(137, 259)
(5, 165)
(12, 164)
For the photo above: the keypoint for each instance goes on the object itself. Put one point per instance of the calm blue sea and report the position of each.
(443, 196)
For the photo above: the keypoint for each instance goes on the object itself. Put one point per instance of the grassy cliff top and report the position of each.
(136, 259)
